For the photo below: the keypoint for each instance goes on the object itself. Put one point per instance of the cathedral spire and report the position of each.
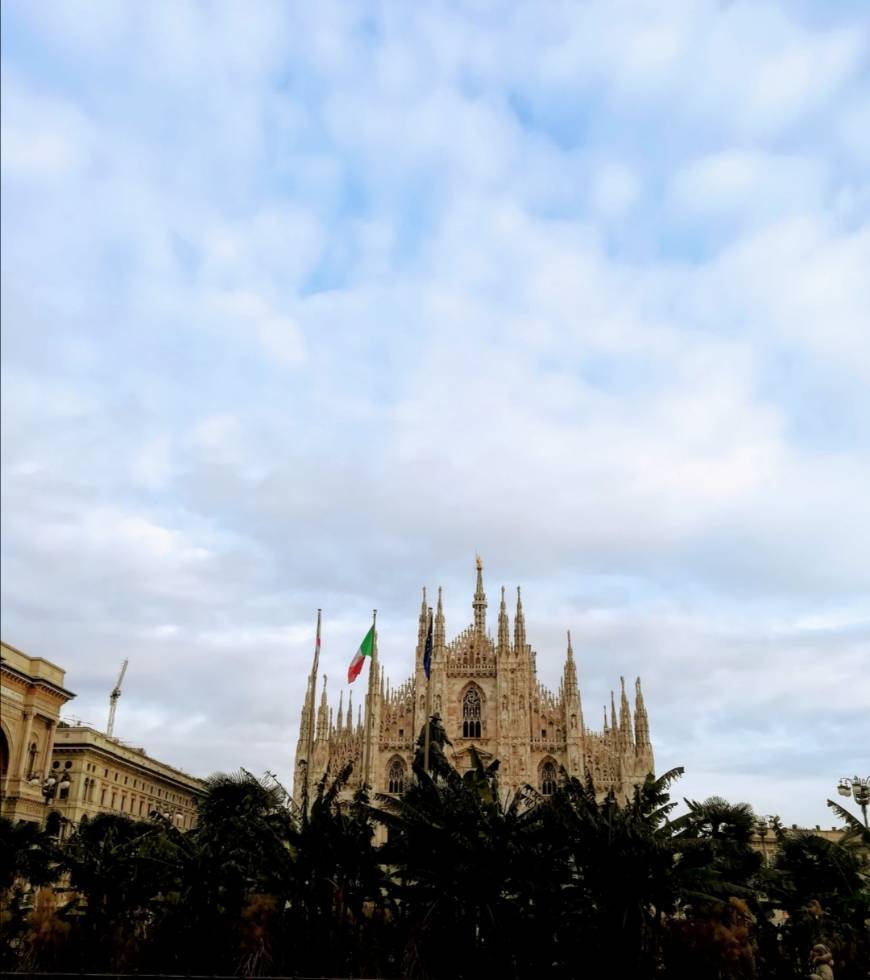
(323, 713)
(519, 627)
(503, 626)
(350, 711)
(479, 603)
(569, 677)
(641, 722)
(339, 716)
(624, 717)
(422, 629)
(438, 637)
(308, 709)
(614, 727)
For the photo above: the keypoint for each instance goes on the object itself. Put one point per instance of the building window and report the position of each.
(548, 778)
(102, 798)
(471, 713)
(396, 777)
(114, 799)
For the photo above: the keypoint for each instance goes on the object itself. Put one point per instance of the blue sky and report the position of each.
(303, 305)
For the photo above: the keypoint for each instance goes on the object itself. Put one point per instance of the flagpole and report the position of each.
(428, 707)
(370, 702)
(311, 710)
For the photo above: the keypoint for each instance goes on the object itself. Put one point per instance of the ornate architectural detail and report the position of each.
(487, 694)
(396, 776)
(472, 712)
(548, 777)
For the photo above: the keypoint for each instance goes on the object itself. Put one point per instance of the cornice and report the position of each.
(29, 681)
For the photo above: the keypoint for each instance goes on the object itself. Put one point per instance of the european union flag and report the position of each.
(427, 650)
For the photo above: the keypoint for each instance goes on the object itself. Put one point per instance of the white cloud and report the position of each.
(616, 188)
(749, 186)
(323, 305)
(44, 138)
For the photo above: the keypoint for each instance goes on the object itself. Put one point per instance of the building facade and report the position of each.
(54, 773)
(105, 775)
(32, 694)
(486, 692)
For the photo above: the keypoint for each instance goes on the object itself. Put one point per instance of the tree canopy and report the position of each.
(452, 878)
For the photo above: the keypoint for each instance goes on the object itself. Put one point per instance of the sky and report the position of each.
(304, 305)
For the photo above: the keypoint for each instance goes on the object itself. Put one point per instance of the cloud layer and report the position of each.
(304, 307)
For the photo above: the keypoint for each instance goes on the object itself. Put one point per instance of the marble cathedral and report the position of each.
(486, 691)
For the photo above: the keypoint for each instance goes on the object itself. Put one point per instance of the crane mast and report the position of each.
(113, 699)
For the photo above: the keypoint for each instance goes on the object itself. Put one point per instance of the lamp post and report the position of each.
(859, 788)
(763, 826)
(50, 787)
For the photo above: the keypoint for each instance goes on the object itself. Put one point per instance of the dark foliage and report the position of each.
(455, 878)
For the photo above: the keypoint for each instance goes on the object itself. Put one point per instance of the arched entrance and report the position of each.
(4, 761)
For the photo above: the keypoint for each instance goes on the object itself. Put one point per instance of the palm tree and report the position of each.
(117, 869)
(237, 853)
(619, 875)
(335, 890)
(27, 855)
(714, 838)
(465, 861)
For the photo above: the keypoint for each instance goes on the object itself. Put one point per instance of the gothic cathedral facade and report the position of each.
(486, 691)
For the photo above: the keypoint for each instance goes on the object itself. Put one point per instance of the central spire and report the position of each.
(479, 601)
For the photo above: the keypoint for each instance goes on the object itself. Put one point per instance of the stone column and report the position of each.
(24, 751)
(49, 745)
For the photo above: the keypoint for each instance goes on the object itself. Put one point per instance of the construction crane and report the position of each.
(113, 698)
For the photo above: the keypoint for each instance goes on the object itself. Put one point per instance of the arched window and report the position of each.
(471, 713)
(548, 778)
(396, 777)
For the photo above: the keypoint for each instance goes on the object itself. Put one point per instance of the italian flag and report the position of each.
(365, 650)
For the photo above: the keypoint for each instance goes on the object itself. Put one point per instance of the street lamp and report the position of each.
(859, 788)
(50, 787)
(763, 826)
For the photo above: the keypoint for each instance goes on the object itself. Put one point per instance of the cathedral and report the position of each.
(486, 691)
